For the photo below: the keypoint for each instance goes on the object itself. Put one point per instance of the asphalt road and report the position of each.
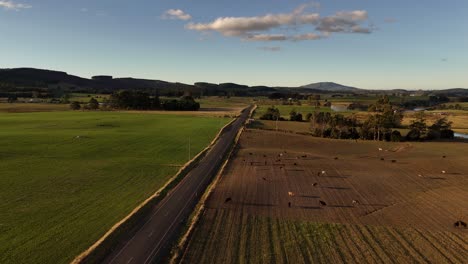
(153, 238)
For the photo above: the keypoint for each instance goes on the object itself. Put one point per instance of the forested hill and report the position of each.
(28, 80)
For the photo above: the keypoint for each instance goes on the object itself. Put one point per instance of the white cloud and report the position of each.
(307, 36)
(176, 14)
(344, 22)
(270, 48)
(266, 37)
(241, 26)
(10, 5)
(259, 28)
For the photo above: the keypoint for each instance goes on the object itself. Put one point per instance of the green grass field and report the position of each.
(84, 98)
(60, 193)
(223, 102)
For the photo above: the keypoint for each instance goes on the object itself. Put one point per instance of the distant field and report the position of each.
(458, 117)
(405, 211)
(286, 109)
(67, 177)
(32, 107)
(84, 98)
(288, 126)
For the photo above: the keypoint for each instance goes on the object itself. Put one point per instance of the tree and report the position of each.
(272, 113)
(294, 116)
(418, 126)
(65, 99)
(413, 135)
(75, 105)
(442, 128)
(12, 98)
(395, 136)
(93, 104)
(135, 100)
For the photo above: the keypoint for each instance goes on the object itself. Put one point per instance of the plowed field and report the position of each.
(407, 196)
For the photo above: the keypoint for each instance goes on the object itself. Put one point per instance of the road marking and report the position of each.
(152, 232)
(130, 260)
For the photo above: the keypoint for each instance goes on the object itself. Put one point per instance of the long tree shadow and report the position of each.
(336, 177)
(336, 188)
(377, 205)
(436, 178)
(310, 207)
(341, 206)
(309, 196)
(259, 204)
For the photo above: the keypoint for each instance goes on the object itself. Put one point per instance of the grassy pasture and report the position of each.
(32, 107)
(458, 117)
(59, 193)
(84, 98)
(286, 109)
(223, 102)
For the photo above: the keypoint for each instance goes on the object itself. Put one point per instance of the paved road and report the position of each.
(152, 240)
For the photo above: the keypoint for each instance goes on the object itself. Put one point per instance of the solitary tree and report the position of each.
(93, 104)
(75, 105)
(272, 113)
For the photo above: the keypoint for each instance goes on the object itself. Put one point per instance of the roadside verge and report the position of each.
(179, 249)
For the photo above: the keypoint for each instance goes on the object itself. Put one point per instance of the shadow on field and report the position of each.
(309, 196)
(259, 204)
(336, 188)
(310, 207)
(377, 205)
(335, 177)
(341, 206)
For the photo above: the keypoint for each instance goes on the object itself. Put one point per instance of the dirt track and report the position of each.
(404, 207)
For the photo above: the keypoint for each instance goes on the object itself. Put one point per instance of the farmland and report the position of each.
(67, 177)
(29, 108)
(286, 109)
(408, 197)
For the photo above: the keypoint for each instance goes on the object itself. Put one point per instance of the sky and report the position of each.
(372, 44)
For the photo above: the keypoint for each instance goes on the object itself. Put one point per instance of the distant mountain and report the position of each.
(28, 80)
(331, 87)
(30, 77)
(38, 77)
(452, 92)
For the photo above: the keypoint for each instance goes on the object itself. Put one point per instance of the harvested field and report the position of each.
(376, 210)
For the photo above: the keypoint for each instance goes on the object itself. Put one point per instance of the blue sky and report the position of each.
(364, 43)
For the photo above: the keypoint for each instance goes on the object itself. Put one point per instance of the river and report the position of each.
(460, 135)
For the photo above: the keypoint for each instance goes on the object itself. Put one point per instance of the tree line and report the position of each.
(380, 125)
(137, 100)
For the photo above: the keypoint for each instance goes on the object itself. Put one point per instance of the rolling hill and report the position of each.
(331, 87)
